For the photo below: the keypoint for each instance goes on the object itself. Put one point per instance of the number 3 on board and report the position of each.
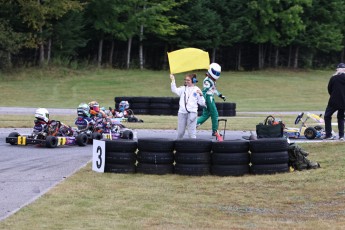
(98, 156)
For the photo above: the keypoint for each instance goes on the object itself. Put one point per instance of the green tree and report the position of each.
(275, 22)
(38, 15)
(204, 26)
(235, 22)
(324, 30)
(12, 38)
(68, 35)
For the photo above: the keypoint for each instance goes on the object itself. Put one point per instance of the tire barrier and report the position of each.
(230, 158)
(120, 156)
(197, 157)
(269, 156)
(168, 106)
(155, 156)
(193, 157)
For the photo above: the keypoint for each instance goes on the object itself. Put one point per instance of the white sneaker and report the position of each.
(341, 139)
(329, 138)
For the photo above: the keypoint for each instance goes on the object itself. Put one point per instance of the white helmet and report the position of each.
(214, 70)
(42, 114)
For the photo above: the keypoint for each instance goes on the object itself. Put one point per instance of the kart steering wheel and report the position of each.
(298, 118)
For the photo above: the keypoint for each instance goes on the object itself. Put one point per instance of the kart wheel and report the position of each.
(13, 134)
(82, 139)
(51, 142)
(127, 134)
(310, 133)
(97, 136)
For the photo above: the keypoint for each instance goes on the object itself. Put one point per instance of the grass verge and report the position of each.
(313, 199)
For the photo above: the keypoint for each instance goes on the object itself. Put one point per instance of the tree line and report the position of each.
(238, 34)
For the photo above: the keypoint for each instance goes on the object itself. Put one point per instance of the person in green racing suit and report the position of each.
(209, 89)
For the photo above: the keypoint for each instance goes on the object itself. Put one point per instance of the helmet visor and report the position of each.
(215, 72)
(96, 108)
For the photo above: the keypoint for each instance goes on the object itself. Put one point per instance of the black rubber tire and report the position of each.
(229, 113)
(119, 168)
(269, 169)
(155, 157)
(230, 158)
(127, 134)
(97, 136)
(221, 113)
(157, 169)
(269, 158)
(159, 106)
(230, 170)
(229, 106)
(140, 100)
(310, 133)
(141, 111)
(13, 134)
(158, 112)
(156, 144)
(230, 146)
(268, 145)
(163, 100)
(193, 145)
(51, 142)
(192, 158)
(175, 103)
(192, 169)
(82, 139)
(139, 106)
(121, 146)
(120, 158)
(219, 106)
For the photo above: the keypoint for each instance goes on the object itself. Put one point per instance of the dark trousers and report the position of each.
(328, 121)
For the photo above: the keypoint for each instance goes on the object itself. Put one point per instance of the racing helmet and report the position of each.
(123, 105)
(94, 107)
(42, 114)
(214, 70)
(83, 110)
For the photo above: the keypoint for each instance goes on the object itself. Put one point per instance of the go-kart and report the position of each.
(113, 129)
(305, 130)
(102, 128)
(50, 136)
(87, 126)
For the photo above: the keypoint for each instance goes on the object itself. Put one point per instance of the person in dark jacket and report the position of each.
(336, 102)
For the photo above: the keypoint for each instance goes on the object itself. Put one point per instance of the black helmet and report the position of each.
(341, 65)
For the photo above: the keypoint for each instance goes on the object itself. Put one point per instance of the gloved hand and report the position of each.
(222, 97)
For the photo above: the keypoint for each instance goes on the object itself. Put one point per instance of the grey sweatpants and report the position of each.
(186, 121)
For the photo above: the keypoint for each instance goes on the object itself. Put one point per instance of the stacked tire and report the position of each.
(160, 106)
(140, 105)
(230, 158)
(120, 156)
(155, 156)
(175, 105)
(229, 109)
(193, 157)
(269, 156)
(168, 106)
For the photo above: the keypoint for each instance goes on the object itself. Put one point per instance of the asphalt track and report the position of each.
(28, 172)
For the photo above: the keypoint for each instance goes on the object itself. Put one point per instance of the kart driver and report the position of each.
(95, 111)
(209, 89)
(49, 127)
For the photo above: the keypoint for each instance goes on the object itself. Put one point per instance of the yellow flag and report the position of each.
(187, 59)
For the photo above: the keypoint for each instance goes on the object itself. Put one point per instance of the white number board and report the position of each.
(98, 155)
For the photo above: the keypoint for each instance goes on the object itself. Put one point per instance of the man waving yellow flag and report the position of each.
(188, 59)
